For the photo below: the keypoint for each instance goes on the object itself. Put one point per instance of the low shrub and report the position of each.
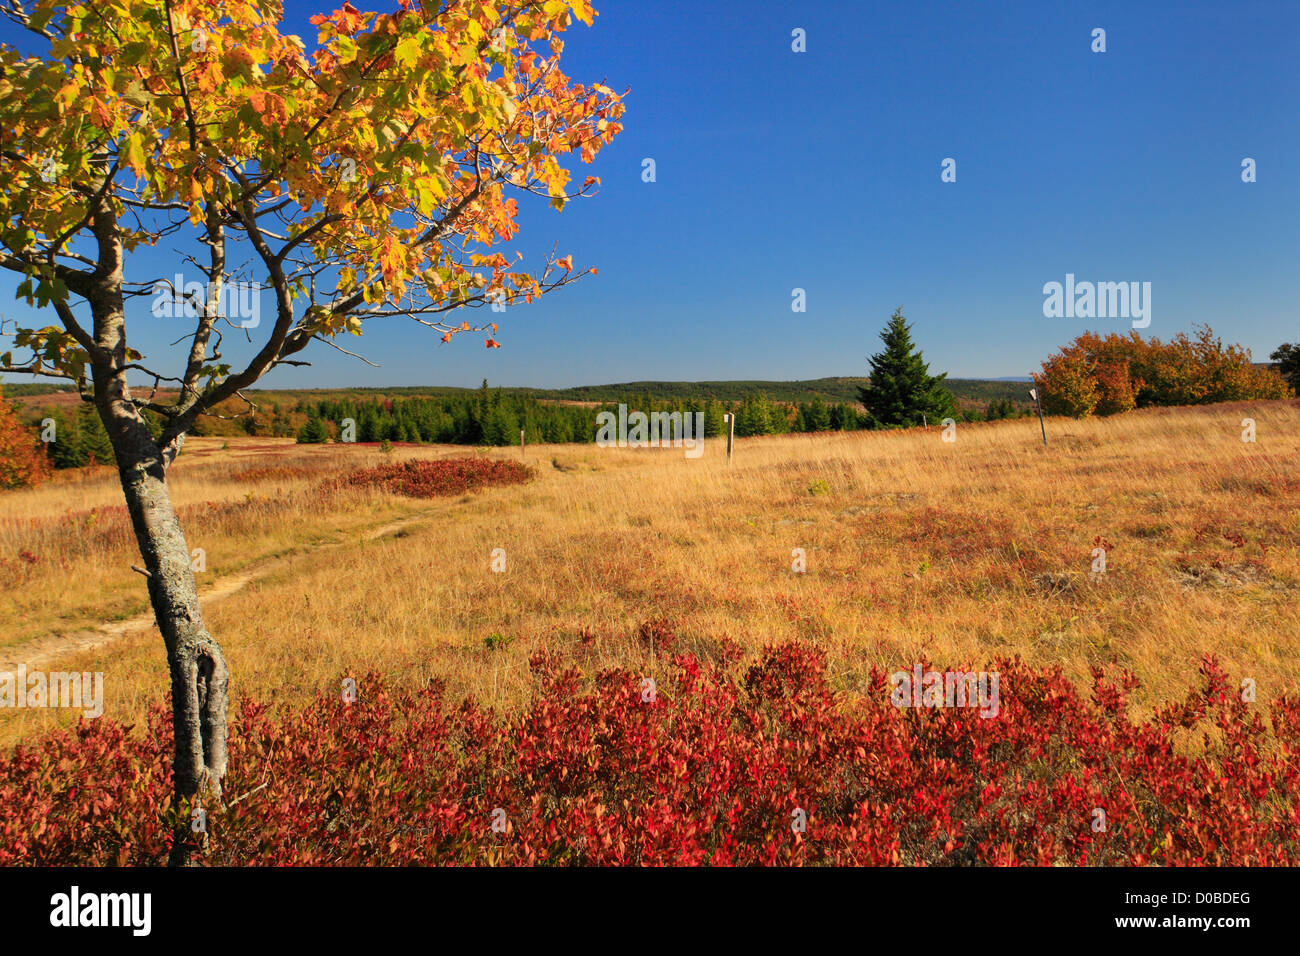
(719, 767)
(437, 478)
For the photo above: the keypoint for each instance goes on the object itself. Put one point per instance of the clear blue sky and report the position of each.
(821, 170)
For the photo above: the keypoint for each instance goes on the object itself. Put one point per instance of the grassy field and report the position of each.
(916, 549)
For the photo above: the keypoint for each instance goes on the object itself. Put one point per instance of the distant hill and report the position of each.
(969, 391)
(834, 389)
(19, 389)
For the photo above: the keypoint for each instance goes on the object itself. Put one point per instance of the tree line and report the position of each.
(900, 393)
(495, 417)
(1092, 375)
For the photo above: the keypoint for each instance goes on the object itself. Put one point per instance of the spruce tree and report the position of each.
(754, 418)
(901, 389)
(314, 432)
(714, 425)
(98, 447)
(66, 450)
(816, 416)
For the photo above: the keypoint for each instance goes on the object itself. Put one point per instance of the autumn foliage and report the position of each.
(433, 479)
(1096, 375)
(392, 153)
(713, 769)
(22, 459)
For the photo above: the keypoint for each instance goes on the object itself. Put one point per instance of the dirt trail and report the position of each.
(40, 653)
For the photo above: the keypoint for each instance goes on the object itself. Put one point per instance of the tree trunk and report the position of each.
(195, 661)
(197, 665)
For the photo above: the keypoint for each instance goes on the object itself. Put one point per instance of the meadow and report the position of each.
(915, 550)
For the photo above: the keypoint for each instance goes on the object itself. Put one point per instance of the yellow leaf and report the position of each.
(135, 154)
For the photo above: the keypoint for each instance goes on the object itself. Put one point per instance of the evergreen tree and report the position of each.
(754, 417)
(999, 408)
(779, 417)
(368, 425)
(501, 427)
(818, 416)
(80, 440)
(714, 426)
(98, 447)
(901, 389)
(314, 432)
(66, 450)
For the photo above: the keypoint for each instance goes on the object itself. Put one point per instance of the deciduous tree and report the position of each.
(373, 177)
(22, 459)
(1115, 373)
(1288, 358)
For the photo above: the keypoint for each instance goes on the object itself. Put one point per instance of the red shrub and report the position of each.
(437, 478)
(714, 769)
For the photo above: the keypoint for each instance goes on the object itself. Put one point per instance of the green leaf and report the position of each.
(346, 49)
(408, 52)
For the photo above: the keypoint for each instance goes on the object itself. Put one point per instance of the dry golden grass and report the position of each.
(915, 549)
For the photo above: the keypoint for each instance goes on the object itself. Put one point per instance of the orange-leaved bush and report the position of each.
(1104, 375)
(22, 457)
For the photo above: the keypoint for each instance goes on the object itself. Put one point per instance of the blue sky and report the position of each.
(820, 170)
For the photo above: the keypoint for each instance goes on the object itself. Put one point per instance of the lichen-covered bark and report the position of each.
(199, 675)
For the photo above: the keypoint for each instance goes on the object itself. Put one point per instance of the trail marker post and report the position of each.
(1033, 393)
(521, 444)
(730, 419)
